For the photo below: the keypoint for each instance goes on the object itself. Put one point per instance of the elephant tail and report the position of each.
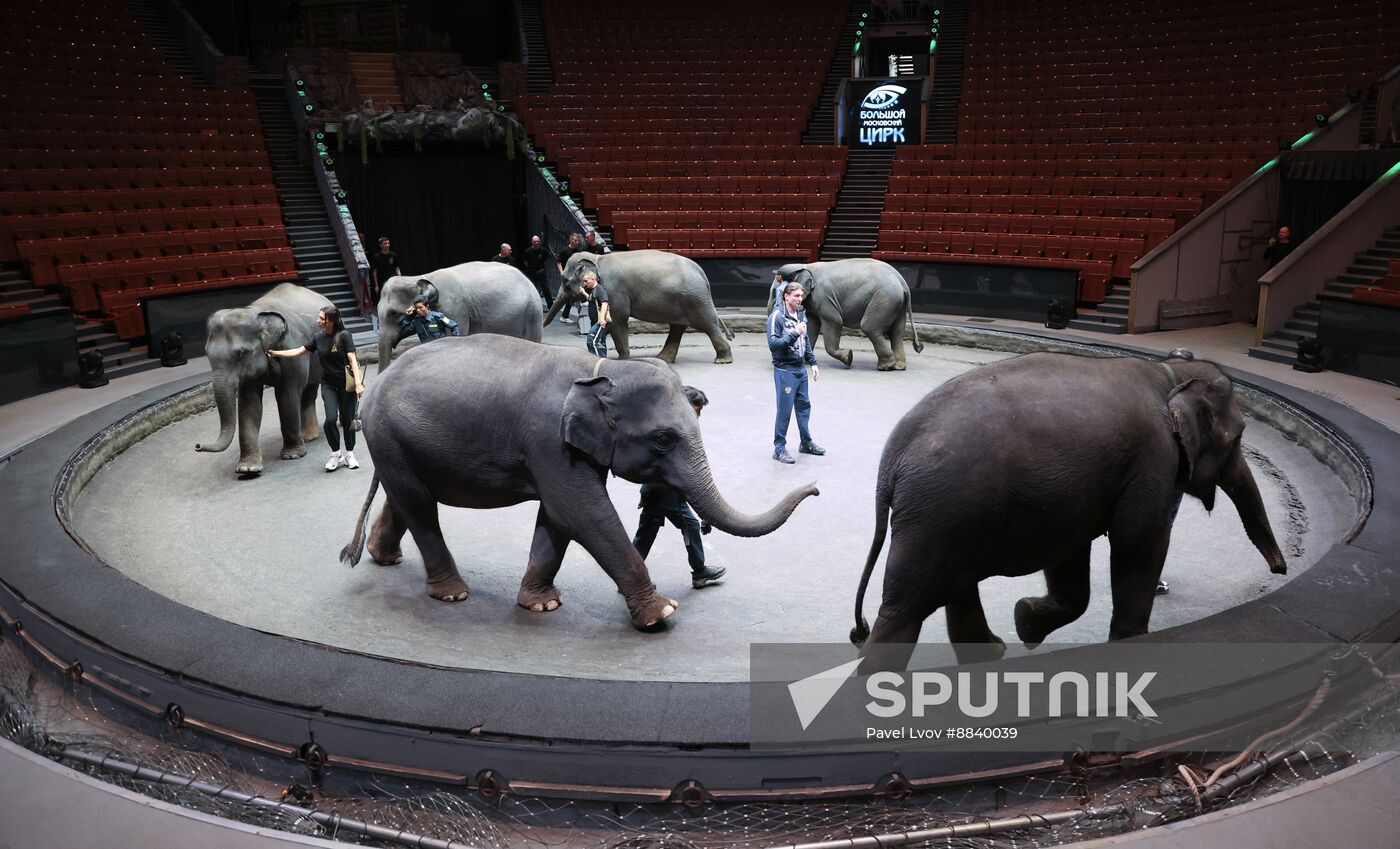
(350, 554)
(882, 523)
(724, 328)
(913, 328)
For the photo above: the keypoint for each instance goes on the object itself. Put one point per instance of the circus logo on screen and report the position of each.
(882, 120)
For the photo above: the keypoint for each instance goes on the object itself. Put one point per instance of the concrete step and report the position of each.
(1272, 355)
(1098, 327)
(130, 368)
(1112, 309)
(1295, 334)
(1288, 346)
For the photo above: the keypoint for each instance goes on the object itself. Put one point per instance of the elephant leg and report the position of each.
(897, 339)
(673, 343)
(617, 329)
(310, 425)
(537, 590)
(1065, 600)
(386, 537)
(417, 509)
(875, 330)
(831, 340)
(289, 408)
(709, 325)
(1135, 565)
(973, 641)
(915, 587)
(892, 639)
(250, 410)
(604, 537)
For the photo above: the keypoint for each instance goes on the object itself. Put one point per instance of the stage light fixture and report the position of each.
(91, 371)
(172, 350)
(1321, 119)
(1056, 316)
(1309, 356)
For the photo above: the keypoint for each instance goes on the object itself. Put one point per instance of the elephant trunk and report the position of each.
(702, 494)
(226, 400)
(1238, 483)
(560, 301)
(388, 338)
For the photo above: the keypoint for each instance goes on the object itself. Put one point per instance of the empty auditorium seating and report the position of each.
(1112, 123)
(696, 118)
(1387, 290)
(121, 179)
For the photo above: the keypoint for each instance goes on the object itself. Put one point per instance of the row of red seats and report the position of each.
(1077, 151)
(125, 306)
(82, 160)
(1180, 209)
(13, 311)
(1120, 253)
(46, 256)
(665, 91)
(639, 170)
(187, 100)
(80, 224)
(680, 151)
(119, 200)
(1060, 186)
(682, 118)
(607, 204)
(185, 138)
(160, 87)
(738, 242)
(85, 284)
(622, 220)
(1127, 135)
(1220, 169)
(1153, 230)
(1093, 274)
(86, 123)
(1386, 291)
(43, 180)
(824, 186)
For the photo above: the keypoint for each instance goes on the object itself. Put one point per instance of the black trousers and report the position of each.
(655, 515)
(340, 405)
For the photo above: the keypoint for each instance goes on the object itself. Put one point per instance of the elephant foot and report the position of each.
(249, 466)
(667, 356)
(847, 357)
(981, 652)
(724, 359)
(450, 589)
(311, 435)
(891, 365)
(1029, 626)
(652, 614)
(293, 452)
(384, 555)
(539, 599)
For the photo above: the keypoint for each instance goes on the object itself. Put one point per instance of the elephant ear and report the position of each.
(587, 423)
(428, 292)
(1193, 406)
(828, 294)
(274, 329)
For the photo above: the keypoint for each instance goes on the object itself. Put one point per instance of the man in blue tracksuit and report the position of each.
(792, 353)
(429, 324)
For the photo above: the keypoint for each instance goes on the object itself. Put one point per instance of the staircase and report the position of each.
(854, 225)
(941, 121)
(539, 73)
(158, 28)
(308, 226)
(376, 79)
(1366, 134)
(1366, 270)
(1110, 316)
(120, 358)
(822, 128)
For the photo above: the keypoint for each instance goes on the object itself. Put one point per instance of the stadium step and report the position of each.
(377, 79)
(821, 129)
(941, 122)
(854, 224)
(1100, 322)
(539, 70)
(152, 19)
(314, 247)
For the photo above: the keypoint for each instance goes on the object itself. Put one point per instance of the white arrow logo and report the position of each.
(811, 694)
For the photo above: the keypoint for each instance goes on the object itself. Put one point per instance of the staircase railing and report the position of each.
(347, 237)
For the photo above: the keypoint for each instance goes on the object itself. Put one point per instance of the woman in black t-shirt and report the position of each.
(334, 347)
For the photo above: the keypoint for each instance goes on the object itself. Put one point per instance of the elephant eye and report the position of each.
(664, 440)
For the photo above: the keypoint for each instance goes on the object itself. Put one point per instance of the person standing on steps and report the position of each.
(792, 354)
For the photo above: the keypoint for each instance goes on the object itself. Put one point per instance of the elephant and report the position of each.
(483, 297)
(655, 286)
(1017, 466)
(864, 293)
(525, 422)
(238, 342)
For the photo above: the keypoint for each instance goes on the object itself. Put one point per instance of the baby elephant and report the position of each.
(513, 421)
(1018, 466)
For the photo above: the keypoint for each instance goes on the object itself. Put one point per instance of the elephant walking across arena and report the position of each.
(863, 293)
(1019, 465)
(520, 422)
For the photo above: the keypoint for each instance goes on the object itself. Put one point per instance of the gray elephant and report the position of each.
(864, 293)
(483, 297)
(238, 342)
(654, 286)
(526, 422)
(1019, 465)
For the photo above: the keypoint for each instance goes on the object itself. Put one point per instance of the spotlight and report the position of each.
(1309, 356)
(1056, 316)
(91, 372)
(1321, 119)
(172, 350)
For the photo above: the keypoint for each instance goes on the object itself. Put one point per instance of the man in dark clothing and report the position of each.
(562, 261)
(1280, 246)
(383, 265)
(661, 503)
(428, 324)
(503, 256)
(597, 314)
(792, 353)
(534, 258)
(593, 244)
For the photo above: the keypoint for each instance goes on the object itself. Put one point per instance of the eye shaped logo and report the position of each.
(883, 97)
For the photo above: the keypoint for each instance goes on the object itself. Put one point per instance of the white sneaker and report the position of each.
(350, 461)
(334, 462)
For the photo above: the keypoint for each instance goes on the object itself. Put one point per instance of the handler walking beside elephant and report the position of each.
(792, 353)
(342, 383)
(428, 324)
(597, 314)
